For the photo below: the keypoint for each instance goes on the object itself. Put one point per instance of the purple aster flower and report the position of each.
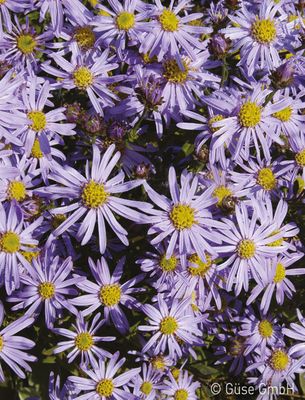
(104, 383)
(259, 36)
(185, 217)
(19, 188)
(147, 385)
(247, 243)
(109, 293)
(93, 196)
(261, 178)
(249, 124)
(181, 388)
(15, 238)
(38, 124)
(84, 341)
(276, 366)
(88, 75)
(23, 45)
(170, 31)
(260, 332)
(169, 323)
(121, 24)
(46, 286)
(276, 281)
(12, 348)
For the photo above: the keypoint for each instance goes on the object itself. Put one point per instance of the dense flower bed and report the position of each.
(152, 167)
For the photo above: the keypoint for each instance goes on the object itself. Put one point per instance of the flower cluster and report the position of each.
(152, 198)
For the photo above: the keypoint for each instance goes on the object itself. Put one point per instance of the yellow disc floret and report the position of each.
(168, 264)
(181, 394)
(125, 21)
(265, 329)
(280, 273)
(202, 267)
(300, 158)
(182, 216)
(168, 325)
(279, 360)
(26, 43)
(36, 150)
(9, 242)
(266, 179)
(169, 21)
(216, 118)
(46, 290)
(220, 193)
(39, 121)
(94, 194)
(249, 114)
(277, 242)
(84, 341)
(84, 37)
(83, 78)
(1, 343)
(246, 248)
(264, 31)
(284, 115)
(158, 362)
(16, 191)
(110, 295)
(173, 73)
(146, 387)
(105, 387)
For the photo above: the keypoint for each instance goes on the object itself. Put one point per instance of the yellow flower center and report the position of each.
(168, 325)
(280, 273)
(169, 21)
(125, 21)
(30, 255)
(36, 150)
(216, 118)
(249, 114)
(84, 37)
(175, 372)
(2, 1)
(266, 179)
(182, 216)
(202, 267)
(236, 347)
(264, 31)
(26, 43)
(16, 190)
(110, 295)
(146, 388)
(158, 362)
(301, 184)
(1, 343)
(284, 115)
(94, 194)
(168, 264)
(104, 13)
(173, 73)
(279, 360)
(84, 341)
(181, 394)
(9, 242)
(265, 329)
(300, 158)
(39, 121)
(46, 290)
(277, 242)
(246, 248)
(105, 387)
(220, 193)
(82, 78)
